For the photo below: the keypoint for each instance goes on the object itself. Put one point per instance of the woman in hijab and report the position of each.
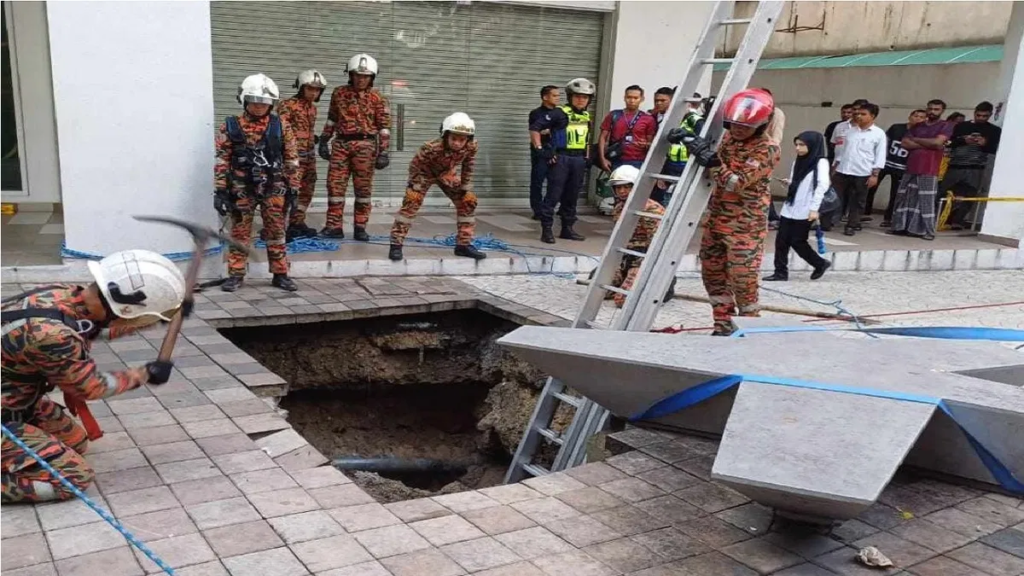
(808, 181)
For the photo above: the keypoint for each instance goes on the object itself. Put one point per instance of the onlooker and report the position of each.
(677, 156)
(845, 113)
(956, 118)
(549, 97)
(971, 144)
(808, 180)
(895, 163)
(626, 134)
(839, 133)
(914, 213)
(776, 126)
(859, 162)
(662, 98)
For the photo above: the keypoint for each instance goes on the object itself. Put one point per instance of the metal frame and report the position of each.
(12, 48)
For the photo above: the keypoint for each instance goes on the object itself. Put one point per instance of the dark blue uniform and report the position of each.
(538, 165)
(570, 132)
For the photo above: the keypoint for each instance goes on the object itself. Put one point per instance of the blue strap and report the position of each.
(701, 392)
(940, 332)
(81, 496)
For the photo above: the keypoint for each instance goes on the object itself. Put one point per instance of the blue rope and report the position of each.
(81, 495)
(305, 245)
(66, 252)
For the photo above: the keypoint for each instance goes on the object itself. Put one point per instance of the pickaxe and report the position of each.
(201, 235)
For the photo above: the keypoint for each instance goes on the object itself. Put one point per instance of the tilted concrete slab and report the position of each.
(804, 451)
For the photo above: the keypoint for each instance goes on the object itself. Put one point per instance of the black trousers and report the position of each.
(793, 234)
(894, 184)
(853, 190)
(538, 175)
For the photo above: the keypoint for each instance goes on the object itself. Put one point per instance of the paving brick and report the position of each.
(222, 513)
(115, 562)
(372, 568)
(623, 555)
(596, 473)
(243, 538)
(319, 477)
(842, 561)
(56, 515)
(304, 458)
(1010, 540)
(146, 420)
(992, 511)
(226, 395)
(25, 550)
(943, 566)
(391, 541)
(711, 497)
(78, 540)
(243, 461)
(671, 544)
(422, 563)
(418, 509)
(261, 423)
(226, 444)
(18, 521)
(761, 555)
(901, 552)
(712, 531)
(447, 529)
(962, 523)
(509, 493)
(533, 542)
(480, 554)
(141, 501)
(197, 413)
(136, 406)
(989, 559)
(110, 442)
(158, 435)
(554, 484)
(124, 480)
(498, 520)
(699, 466)
(185, 470)
(545, 510)
(117, 460)
(109, 424)
(263, 481)
(364, 517)
(582, 531)
(204, 490)
(214, 568)
(922, 497)
(517, 569)
(306, 526)
(277, 562)
(160, 524)
(806, 569)
(852, 530)
(589, 499)
(669, 452)
(340, 495)
(577, 563)
(283, 502)
(628, 520)
(208, 428)
(882, 516)
(921, 531)
(280, 443)
(332, 552)
(172, 452)
(806, 543)
(638, 437)
(47, 569)
(633, 463)
(713, 563)
(217, 382)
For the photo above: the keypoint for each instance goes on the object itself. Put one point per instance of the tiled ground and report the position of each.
(217, 483)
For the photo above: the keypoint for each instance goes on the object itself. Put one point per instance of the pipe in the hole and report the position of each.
(392, 465)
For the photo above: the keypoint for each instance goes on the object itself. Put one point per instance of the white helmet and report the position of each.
(624, 174)
(137, 283)
(310, 78)
(362, 64)
(459, 123)
(580, 86)
(259, 89)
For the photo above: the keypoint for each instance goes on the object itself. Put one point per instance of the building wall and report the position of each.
(818, 28)
(132, 86)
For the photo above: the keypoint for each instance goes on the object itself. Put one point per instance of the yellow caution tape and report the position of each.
(947, 209)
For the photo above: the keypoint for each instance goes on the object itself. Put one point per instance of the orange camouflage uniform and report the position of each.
(40, 354)
(640, 241)
(355, 118)
(735, 226)
(300, 114)
(436, 164)
(270, 201)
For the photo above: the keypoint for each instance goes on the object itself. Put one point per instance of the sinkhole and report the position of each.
(420, 404)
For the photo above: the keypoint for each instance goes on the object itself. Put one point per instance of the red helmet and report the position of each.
(751, 107)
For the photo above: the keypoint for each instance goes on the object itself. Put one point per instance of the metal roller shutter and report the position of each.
(486, 59)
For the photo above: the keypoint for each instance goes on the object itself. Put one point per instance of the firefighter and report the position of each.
(360, 123)
(622, 180)
(46, 340)
(735, 224)
(299, 112)
(436, 163)
(567, 153)
(257, 165)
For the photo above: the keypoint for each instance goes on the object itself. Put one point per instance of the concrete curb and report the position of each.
(497, 264)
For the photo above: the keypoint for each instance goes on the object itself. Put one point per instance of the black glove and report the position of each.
(547, 152)
(159, 371)
(222, 202)
(383, 160)
(316, 139)
(676, 135)
(325, 148)
(700, 150)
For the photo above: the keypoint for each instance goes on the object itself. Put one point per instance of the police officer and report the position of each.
(570, 127)
(360, 123)
(46, 339)
(257, 165)
(675, 161)
(436, 163)
(299, 112)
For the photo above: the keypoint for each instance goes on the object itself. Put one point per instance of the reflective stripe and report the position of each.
(466, 219)
(577, 133)
(363, 200)
(731, 183)
(678, 152)
(721, 299)
(276, 242)
(749, 308)
(403, 219)
(110, 384)
(330, 123)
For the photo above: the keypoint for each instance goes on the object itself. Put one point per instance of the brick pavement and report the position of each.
(216, 482)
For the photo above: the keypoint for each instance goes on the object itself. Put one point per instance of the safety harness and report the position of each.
(74, 404)
(262, 162)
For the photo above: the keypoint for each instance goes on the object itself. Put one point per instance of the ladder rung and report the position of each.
(571, 400)
(649, 215)
(611, 288)
(534, 470)
(734, 21)
(550, 435)
(594, 324)
(717, 61)
(666, 177)
(629, 252)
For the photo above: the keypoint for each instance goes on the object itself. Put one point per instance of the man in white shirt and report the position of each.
(839, 133)
(859, 162)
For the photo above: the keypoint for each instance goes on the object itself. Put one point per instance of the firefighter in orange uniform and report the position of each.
(299, 112)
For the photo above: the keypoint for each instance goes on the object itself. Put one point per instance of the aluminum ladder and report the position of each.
(691, 192)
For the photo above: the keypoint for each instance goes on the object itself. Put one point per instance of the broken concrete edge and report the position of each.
(866, 261)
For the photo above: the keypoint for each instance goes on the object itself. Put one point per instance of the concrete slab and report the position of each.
(838, 450)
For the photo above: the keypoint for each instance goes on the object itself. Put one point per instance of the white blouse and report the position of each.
(807, 200)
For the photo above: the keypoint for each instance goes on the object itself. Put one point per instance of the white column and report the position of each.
(1004, 221)
(133, 96)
